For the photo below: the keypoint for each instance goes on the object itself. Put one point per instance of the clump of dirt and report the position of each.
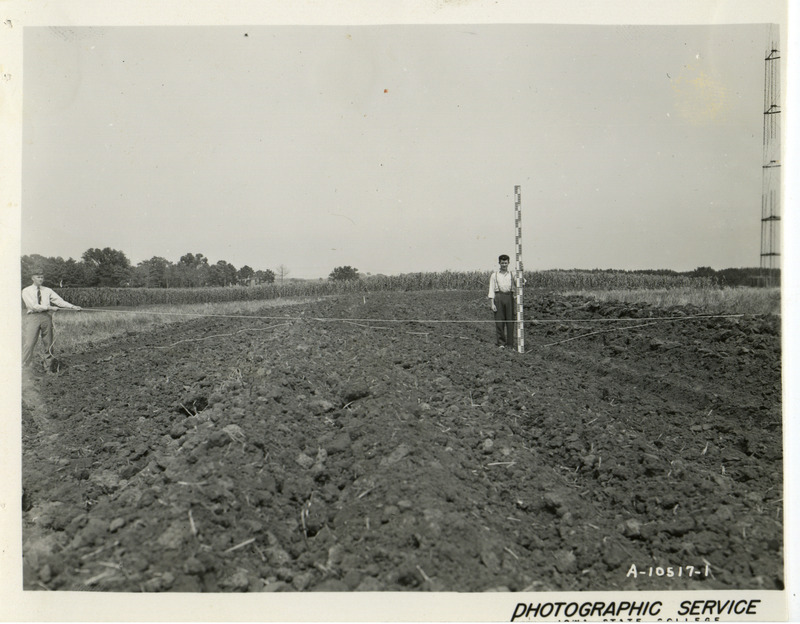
(377, 455)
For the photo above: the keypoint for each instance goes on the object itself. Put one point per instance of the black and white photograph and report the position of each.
(472, 310)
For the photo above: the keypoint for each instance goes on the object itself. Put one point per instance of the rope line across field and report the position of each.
(392, 320)
(364, 322)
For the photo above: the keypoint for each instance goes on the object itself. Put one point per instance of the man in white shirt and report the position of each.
(501, 294)
(39, 301)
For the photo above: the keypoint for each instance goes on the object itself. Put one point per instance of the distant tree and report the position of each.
(193, 260)
(244, 274)
(230, 274)
(265, 277)
(703, 272)
(107, 267)
(344, 273)
(282, 272)
(222, 273)
(193, 270)
(138, 276)
(75, 273)
(55, 271)
(216, 275)
(152, 273)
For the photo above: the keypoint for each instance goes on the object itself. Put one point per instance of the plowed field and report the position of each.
(241, 454)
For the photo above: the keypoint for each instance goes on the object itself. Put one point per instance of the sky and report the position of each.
(396, 149)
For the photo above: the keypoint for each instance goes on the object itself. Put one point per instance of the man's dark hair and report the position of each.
(502, 257)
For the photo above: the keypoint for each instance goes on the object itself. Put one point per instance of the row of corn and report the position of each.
(446, 280)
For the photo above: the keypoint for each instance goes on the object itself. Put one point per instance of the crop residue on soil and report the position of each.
(370, 456)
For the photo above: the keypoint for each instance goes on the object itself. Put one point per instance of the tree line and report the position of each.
(111, 268)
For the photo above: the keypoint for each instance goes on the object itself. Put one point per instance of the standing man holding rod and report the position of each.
(40, 301)
(501, 295)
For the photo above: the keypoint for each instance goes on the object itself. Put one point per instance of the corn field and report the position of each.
(446, 280)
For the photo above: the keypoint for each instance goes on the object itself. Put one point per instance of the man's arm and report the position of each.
(59, 302)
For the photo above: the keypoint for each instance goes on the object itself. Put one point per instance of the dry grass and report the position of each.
(740, 300)
(78, 331)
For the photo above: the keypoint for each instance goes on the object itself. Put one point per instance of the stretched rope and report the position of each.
(323, 319)
(365, 322)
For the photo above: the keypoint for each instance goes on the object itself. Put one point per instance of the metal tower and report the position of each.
(771, 162)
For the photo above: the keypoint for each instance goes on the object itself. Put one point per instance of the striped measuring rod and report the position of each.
(520, 324)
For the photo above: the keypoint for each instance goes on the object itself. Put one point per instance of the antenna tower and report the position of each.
(771, 162)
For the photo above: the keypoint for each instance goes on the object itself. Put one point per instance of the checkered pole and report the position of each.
(519, 325)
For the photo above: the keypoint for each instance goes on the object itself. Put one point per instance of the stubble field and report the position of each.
(309, 454)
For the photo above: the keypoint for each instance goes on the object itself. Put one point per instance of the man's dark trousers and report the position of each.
(504, 318)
